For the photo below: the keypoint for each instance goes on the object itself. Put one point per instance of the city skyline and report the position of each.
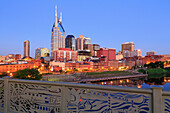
(145, 27)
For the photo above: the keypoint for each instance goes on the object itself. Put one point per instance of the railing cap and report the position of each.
(157, 87)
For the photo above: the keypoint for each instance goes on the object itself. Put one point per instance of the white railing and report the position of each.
(28, 96)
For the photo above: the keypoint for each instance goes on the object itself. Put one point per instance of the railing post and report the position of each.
(157, 99)
(6, 93)
(63, 100)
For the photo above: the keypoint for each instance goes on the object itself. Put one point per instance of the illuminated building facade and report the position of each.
(71, 42)
(18, 56)
(128, 46)
(127, 53)
(86, 40)
(3, 58)
(58, 34)
(109, 54)
(41, 52)
(26, 48)
(64, 55)
(95, 48)
(79, 42)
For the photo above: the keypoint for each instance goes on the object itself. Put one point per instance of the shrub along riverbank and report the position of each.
(156, 71)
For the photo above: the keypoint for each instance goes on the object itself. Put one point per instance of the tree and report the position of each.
(3, 74)
(32, 74)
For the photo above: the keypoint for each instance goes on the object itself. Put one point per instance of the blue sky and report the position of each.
(108, 23)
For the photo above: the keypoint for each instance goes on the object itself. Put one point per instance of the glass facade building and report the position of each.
(58, 34)
(70, 42)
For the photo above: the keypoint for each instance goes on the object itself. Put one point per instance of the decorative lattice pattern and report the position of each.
(1, 96)
(101, 101)
(33, 98)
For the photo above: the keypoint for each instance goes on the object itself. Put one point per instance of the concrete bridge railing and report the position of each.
(26, 96)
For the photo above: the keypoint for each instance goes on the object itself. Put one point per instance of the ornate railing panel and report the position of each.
(1, 95)
(102, 101)
(34, 98)
(166, 104)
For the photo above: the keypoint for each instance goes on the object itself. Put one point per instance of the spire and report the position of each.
(61, 17)
(56, 19)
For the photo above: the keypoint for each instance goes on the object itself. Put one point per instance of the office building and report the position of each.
(58, 34)
(150, 53)
(127, 53)
(41, 52)
(128, 46)
(79, 42)
(3, 58)
(86, 40)
(83, 55)
(18, 56)
(95, 48)
(71, 42)
(108, 54)
(26, 48)
(64, 55)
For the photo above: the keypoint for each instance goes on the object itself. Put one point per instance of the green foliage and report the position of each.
(168, 70)
(3, 74)
(47, 73)
(156, 71)
(85, 70)
(32, 74)
(157, 64)
(142, 71)
(75, 70)
(61, 71)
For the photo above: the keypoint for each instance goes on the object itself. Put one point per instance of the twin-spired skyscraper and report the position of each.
(58, 34)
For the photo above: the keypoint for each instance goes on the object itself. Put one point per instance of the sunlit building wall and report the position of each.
(26, 48)
(87, 40)
(64, 55)
(18, 56)
(79, 43)
(128, 46)
(41, 52)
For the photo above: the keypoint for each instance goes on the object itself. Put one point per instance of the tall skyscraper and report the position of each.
(26, 48)
(79, 43)
(41, 52)
(58, 34)
(71, 42)
(129, 46)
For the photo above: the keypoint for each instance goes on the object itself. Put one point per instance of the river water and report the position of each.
(146, 82)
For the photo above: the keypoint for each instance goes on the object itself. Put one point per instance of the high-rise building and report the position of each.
(71, 42)
(26, 48)
(41, 52)
(79, 43)
(128, 46)
(58, 34)
(86, 40)
(150, 53)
